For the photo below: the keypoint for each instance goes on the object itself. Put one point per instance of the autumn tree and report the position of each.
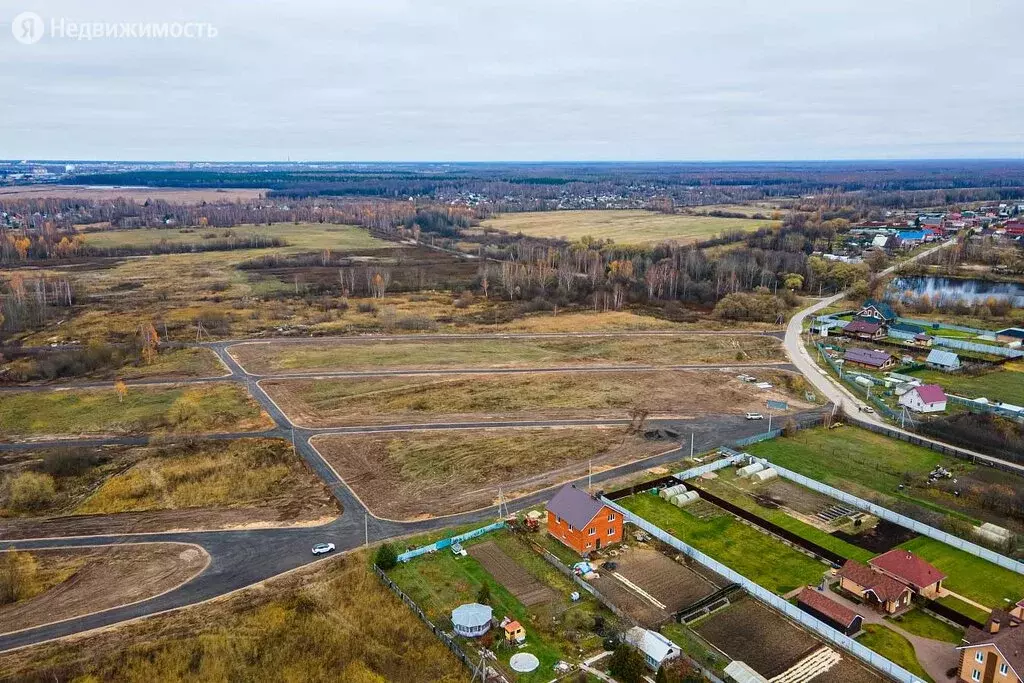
(150, 343)
(121, 388)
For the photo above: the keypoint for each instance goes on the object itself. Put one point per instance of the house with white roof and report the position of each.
(655, 647)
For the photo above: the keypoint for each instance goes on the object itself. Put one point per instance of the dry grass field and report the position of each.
(78, 581)
(117, 489)
(328, 622)
(268, 358)
(621, 226)
(542, 395)
(174, 409)
(182, 195)
(416, 474)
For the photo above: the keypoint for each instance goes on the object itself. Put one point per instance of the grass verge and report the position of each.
(925, 625)
(893, 647)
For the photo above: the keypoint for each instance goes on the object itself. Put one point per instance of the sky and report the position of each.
(478, 80)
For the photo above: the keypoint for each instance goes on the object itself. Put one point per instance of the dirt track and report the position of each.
(104, 578)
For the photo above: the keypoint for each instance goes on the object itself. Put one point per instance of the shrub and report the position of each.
(69, 462)
(627, 665)
(483, 596)
(366, 307)
(17, 576)
(32, 491)
(386, 557)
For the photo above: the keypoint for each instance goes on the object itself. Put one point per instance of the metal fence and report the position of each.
(977, 348)
(774, 601)
(446, 542)
(758, 437)
(985, 407)
(896, 518)
(932, 325)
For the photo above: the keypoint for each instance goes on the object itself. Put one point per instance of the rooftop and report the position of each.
(575, 506)
(930, 393)
(867, 357)
(907, 566)
(940, 357)
(822, 604)
(1009, 639)
(884, 587)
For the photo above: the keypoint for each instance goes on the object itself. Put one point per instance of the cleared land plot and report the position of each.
(669, 582)
(750, 632)
(413, 474)
(873, 466)
(1005, 383)
(548, 395)
(193, 408)
(761, 558)
(517, 580)
(267, 358)
(155, 488)
(624, 227)
(86, 584)
(139, 194)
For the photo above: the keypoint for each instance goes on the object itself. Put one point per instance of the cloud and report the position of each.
(531, 79)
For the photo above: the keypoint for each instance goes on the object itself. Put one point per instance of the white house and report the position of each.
(655, 647)
(942, 360)
(927, 398)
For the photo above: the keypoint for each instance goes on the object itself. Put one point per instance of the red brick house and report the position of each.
(874, 587)
(581, 521)
(910, 570)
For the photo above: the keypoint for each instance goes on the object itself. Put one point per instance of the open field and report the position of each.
(893, 647)
(622, 226)
(758, 556)
(194, 408)
(330, 621)
(169, 364)
(1005, 383)
(300, 237)
(78, 581)
(412, 474)
(873, 466)
(750, 632)
(266, 358)
(155, 488)
(548, 395)
(555, 629)
(971, 576)
(182, 195)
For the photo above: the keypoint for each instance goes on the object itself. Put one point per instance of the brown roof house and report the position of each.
(840, 617)
(910, 570)
(874, 587)
(994, 654)
(878, 360)
(862, 329)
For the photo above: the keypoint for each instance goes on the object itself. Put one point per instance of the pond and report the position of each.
(950, 289)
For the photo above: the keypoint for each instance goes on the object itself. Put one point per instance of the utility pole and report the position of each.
(769, 421)
(590, 475)
(691, 445)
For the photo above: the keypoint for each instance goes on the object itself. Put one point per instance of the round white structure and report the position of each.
(472, 619)
(523, 662)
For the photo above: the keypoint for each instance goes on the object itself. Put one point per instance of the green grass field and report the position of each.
(893, 647)
(720, 488)
(267, 358)
(1005, 383)
(439, 582)
(757, 556)
(925, 625)
(624, 227)
(971, 576)
(182, 409)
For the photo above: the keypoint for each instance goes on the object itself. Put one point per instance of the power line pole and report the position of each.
(691, 445)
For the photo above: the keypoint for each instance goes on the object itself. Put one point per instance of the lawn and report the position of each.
(183, 409)
(971, 576)
(922, 624)
(721, 487)
(551, 395)
(539, 352)
(893, 647)
(1004, 383)
(439, 582)
(621, 226)
(757, 556)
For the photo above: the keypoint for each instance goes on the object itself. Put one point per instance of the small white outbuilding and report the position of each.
(750, 469)
(668, 492)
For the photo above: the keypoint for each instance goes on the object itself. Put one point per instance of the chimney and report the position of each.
(993, 626)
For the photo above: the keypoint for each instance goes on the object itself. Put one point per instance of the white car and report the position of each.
(755, 416)
(322, 548)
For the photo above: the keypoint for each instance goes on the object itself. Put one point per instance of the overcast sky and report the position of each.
(521, 80)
